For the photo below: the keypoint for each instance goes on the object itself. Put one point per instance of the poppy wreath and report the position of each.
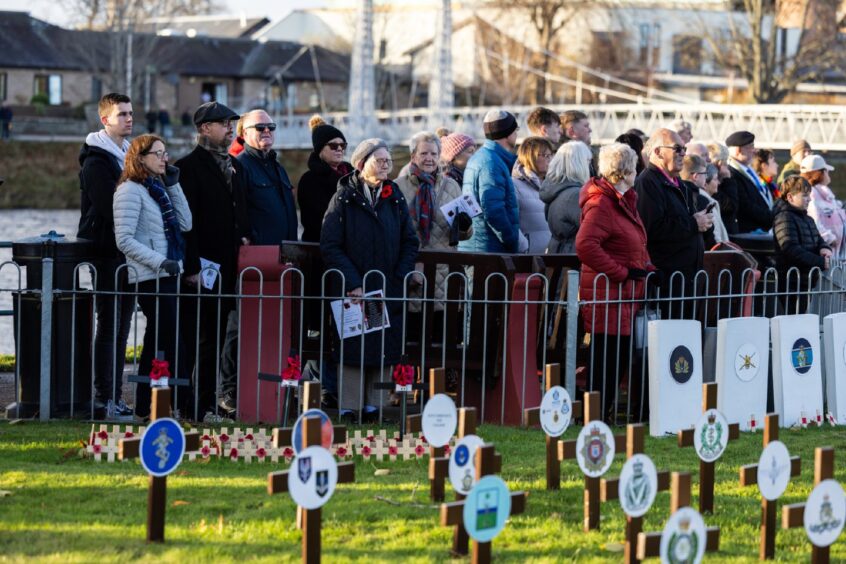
(292, 372)
(403, 375)
(160, 369)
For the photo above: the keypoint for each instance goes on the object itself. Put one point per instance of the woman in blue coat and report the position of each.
(367, 231)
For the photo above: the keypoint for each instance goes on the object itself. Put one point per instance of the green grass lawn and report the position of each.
(62, 508)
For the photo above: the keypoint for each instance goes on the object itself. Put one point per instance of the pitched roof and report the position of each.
(26, 42)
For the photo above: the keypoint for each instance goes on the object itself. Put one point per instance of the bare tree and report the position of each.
(110, 15)
(757, 46)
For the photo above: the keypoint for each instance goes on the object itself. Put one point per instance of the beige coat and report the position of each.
(446, 190)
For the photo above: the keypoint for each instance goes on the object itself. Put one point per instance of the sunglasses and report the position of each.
(260, 127)
(337, 146)
(678, 149)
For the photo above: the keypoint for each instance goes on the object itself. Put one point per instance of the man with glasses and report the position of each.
(672, 218)
(754, 200)
(212, 182)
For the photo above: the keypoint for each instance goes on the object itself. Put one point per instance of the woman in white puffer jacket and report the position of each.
(151, 213)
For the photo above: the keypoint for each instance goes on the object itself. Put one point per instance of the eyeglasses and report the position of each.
(384, 162)
(678, 149)
(337, 146)
(698, 172)
(159, 154)
(545, 155)
(260, 127)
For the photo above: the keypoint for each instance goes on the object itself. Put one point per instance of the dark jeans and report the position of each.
(114, 315)
(614, 362)
(229, 357)
(161, 335)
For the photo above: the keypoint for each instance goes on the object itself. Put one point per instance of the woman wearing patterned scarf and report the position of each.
(151, 214)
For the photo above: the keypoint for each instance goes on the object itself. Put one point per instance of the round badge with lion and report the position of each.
(711, 435)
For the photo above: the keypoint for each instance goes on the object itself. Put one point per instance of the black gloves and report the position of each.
(171, 266)
(171, 175)
(636, 274)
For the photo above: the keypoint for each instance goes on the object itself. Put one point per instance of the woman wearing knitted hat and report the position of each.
(368, 237)
(456, 150)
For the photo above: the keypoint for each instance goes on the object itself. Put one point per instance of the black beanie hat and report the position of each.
(322, 133)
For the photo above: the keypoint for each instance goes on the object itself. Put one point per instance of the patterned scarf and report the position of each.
(175, 240)
(221, 157)
(424, 208)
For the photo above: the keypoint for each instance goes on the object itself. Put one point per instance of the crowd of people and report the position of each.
(644, 208)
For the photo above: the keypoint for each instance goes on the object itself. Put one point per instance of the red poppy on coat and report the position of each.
(387, 191)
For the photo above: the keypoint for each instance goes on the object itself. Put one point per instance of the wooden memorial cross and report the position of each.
(749, 477)
(277, 482)
(452, 514)
(609, 489)
(407, 386)
(438, 462)
(793, 515)
(649, 544)
(567, 451)
(531, 417)
(706, 469)
(157, 490)
(288, 380)
(171, 381)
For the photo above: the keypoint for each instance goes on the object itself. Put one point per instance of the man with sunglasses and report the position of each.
(672, 218)
(213, 184)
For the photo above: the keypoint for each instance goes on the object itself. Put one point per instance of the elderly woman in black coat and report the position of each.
(368, 237)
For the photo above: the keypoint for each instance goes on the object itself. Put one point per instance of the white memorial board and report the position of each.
(675, 375)
(835, 364)
(555, 411)
(683, 539)
(462, 463)
(439, 420)
(312, 477)
(797, 375)
(710, 436)
(638, 485)
(825, 512)
(774, 470)
(595, 449)
(742, 368)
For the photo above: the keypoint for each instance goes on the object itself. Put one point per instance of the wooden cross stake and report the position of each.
(531, 417)
(277, 482)
(567, 451)
(438, 462)
(157, 490)
(649, 544)
(452, 514)
(286, 391)
(403, 403)
(749, 477)
(793, 515)
(706, 469)
(610, 489)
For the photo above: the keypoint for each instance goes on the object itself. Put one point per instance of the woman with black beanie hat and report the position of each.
(326, 166)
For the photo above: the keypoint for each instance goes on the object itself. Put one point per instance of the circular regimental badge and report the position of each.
(825, 512)
(327, 431)
(746, 362)
(439, 420)
(638, 485)
(462, 463)
(487, 508)
(710, 436)
(802, 356)
(683, 539)
(595, 449)
(162, 447)
(774, 470)
(681, 364)
(555, 411)
(312, 477)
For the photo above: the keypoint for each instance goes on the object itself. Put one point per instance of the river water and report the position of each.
(20, 224)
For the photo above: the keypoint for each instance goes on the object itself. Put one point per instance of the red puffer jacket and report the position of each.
(610, 241)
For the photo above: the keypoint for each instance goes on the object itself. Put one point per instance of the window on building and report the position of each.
(214, 92)
(687, 54)
(96, 89)
(645, 44)
(3, 81)
(49, 86)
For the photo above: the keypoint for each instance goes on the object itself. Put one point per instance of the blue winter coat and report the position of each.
(270, 198)
(357, 238)
(488, 178)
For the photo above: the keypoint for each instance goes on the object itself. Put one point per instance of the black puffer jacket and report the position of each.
(797, 240)
(358, 238)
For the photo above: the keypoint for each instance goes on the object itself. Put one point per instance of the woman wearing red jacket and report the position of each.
(611, 244)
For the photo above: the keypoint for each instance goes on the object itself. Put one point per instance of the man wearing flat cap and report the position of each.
(754, 200)
(212, 182)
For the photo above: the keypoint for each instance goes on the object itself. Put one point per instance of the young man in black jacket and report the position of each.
(101, 160)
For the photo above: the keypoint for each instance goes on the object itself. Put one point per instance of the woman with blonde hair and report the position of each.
(529, 171)
(151, 214)
(568, 172)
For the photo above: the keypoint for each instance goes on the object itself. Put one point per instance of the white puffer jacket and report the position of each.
(139, 228)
